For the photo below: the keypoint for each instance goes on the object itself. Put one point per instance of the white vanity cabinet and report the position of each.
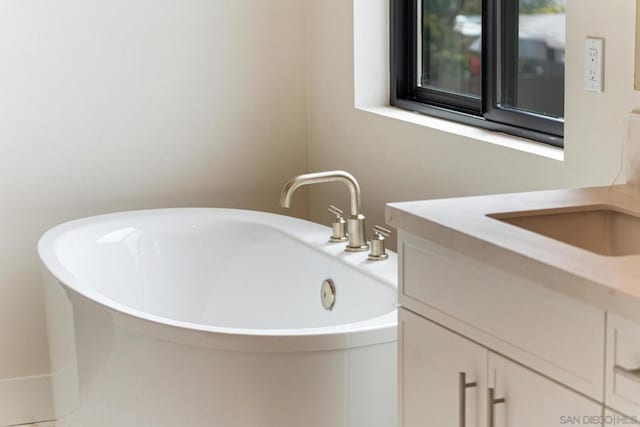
(542, 353)
(447, 380)
(543, 288)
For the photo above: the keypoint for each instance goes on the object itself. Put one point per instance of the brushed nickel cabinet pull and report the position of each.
(491, 403)
(632, 374)
(463, 385)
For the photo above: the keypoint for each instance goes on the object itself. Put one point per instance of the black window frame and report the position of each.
(484, 112)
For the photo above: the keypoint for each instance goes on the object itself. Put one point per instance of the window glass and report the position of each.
(450, 46)
(534, 81)
(441, 50)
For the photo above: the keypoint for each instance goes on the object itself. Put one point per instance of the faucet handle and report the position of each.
(336, 211)
(338, 226)
(380, 230)
(378, 251)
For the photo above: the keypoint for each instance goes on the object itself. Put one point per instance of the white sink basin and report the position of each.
(602, 230)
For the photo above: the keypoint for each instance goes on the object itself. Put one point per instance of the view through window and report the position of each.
(526, 59)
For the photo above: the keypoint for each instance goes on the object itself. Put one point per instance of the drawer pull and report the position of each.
(491, 403)
(632, 374)
(463, 385)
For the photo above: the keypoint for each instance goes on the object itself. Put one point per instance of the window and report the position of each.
(497, 64)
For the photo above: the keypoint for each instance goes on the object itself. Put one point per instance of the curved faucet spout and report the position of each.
(356, 236)
(320, 177)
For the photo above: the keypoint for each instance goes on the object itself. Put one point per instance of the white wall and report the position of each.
(395, 160)
(108, 105)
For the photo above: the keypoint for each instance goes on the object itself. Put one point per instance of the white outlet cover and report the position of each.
(594, 64)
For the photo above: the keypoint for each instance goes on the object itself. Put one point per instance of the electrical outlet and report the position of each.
(594, 64)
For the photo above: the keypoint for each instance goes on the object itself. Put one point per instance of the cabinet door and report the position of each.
(531, 400)
(442, 376)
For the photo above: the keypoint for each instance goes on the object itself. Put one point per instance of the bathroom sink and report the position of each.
(599, 229)
(583, 243)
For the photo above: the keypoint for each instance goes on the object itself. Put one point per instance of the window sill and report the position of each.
(471, 132)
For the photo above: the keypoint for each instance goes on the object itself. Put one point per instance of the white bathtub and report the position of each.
(213, 317)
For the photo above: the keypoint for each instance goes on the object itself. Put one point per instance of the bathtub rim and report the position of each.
(376, 330)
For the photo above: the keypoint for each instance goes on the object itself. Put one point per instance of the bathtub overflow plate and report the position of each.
(328, 294)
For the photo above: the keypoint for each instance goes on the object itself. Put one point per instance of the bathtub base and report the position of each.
(120, 377)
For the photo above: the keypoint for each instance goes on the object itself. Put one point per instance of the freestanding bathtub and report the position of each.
(213, 317)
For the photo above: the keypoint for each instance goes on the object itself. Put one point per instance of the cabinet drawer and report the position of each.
(623, 366)
(550, 332)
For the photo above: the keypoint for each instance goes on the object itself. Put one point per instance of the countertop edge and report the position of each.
(592, 292)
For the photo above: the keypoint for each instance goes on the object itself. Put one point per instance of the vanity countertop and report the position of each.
(464, 225)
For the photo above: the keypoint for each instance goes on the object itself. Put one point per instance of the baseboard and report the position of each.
(25, 400)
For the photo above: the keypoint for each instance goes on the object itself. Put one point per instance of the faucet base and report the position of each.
(355, 231)
(362, 248)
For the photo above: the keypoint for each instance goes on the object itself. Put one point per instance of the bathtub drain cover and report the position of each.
(328, 294)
